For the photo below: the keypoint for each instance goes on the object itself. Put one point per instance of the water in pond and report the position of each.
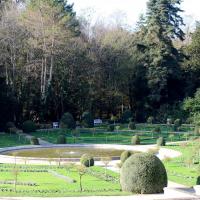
(65, 152)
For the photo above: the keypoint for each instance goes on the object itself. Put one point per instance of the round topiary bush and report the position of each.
(132, 126)
(34, 141)
(125, 155)
(10, 127)
(67, 121)
(29, 126)
(87, 120)
(61, 139)
(143, 173)
(161, 141)
(135, 140)
(87, 160)
(111, 128)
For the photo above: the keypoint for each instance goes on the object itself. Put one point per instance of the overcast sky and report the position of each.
(103, 9)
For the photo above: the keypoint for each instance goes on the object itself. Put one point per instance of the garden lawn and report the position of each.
(182, 170)
(122, 136)
(46, 184)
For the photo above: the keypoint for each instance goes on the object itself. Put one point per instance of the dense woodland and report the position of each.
(52, 61)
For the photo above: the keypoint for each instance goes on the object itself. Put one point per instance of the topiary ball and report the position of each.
(87, 160)
(29, 126)
(161, 141)
(34, 141)
(143, 173)
(61, 139)
(135, 140)
(125, 155)
(132, 126)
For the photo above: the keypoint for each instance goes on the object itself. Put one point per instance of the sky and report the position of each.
(130, 10)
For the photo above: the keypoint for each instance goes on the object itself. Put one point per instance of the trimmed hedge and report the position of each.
(135, 140)
(29, 126)
(34, 141)
(125, 155)
(67, 121)
(143, 173)
(87, 160)
(61, 139)
(161, 141)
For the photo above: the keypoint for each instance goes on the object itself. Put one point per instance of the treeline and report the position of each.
(51, 62)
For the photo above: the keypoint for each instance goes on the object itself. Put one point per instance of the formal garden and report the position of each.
(98, 107)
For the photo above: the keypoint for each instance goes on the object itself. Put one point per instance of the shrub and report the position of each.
(132, 126)
(150, 120)
(135, 140)
(87, 120)
(35, 141)
(125, 155)
(111, 128)
(126, 116)
(67, 121)
(9, 125)
(61, 139)
(28, 126)
(161, 141)
(198, 180)
(143, 173)
(87, 160)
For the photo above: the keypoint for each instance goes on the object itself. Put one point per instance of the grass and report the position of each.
(48, 185)
(182, 170)
(7, 140)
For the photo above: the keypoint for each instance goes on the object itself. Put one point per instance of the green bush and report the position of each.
(198, 180)
(87, 160)
(67, 121)
(135, 140)
(28, 126)
(161, 141)
(111, 128)
(87, 120)
(132, 126)
(61, 139)
(150, 120)
(125, 155)
(143, 173)
(126, 116)
(9, 126)
(34, 141)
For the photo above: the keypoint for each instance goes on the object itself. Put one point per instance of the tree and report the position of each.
(163, 23)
